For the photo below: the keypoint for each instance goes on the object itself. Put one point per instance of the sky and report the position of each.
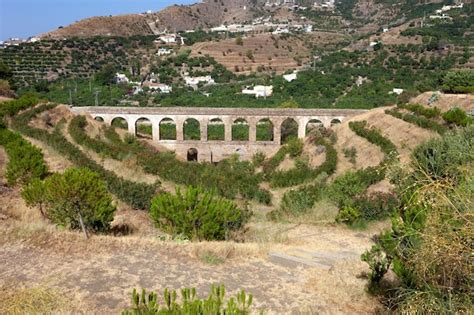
(25, 18)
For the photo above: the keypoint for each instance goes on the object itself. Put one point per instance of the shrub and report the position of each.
(418, 120)
(26, 161)
(430, 240)
(346, 187)
(376, 206)
(373, 136)
(350, 154)
(302, 173)
(295, 147)
(378, 263)
(197, 214)
(457, 117)
(215, 304)
(348, 215)
(77, 199)
(422, 110)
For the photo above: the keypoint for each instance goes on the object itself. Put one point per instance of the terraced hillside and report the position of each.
(266, 52)
(79, 58)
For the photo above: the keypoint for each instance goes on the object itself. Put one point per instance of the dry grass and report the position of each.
(404, 135)
(447, 101)
(33, 300)
(367, 153)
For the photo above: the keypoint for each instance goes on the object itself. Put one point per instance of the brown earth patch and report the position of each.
(446, 101)
(270, 52)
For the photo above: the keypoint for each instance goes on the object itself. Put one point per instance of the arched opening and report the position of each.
(192, 129)
(144, 128)
(167, 129)
(120, 122)
(265, 130)
(289, 129)
(240, 130)
(335, 121)
(192, 155)
(313, 125)
(99, 119)
(216, 130)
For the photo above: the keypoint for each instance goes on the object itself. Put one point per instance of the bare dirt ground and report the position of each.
(4, 99)
(102, 271)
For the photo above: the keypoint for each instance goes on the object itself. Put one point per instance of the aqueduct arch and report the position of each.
(213, 132)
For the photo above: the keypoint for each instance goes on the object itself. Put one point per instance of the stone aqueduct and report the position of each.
(213, 151)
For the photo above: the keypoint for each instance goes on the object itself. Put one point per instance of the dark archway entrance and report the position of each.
(289, 130)
(192, 155)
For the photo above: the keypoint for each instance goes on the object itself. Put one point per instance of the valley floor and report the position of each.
(96, 276)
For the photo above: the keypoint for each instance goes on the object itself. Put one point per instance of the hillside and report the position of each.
(173, 18)
(269, 53)
(362, 15)
(306, 251)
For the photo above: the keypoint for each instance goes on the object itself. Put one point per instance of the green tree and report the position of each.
(5, 71)
(197, 214)
(461, 81)
(106, 75)
(291, 103)
(457, 117)
(77, 199)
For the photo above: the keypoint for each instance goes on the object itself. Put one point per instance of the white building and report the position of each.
(121, 78)
(259, 91)
(291, 77)
(440, 17)
(164, 52)
(281, 31)
(194, 81)
(34, 39)
(169, 38)
(396, 91)
(158, 87)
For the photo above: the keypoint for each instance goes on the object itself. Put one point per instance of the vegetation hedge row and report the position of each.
(77, 131)
(421, 110)
(302, 172)
(420, 121)
(373, 136)
(26, 161)
(458, 117)
(294, 147)
(137, 195)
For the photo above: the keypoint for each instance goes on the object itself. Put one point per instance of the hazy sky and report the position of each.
(25, 18)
